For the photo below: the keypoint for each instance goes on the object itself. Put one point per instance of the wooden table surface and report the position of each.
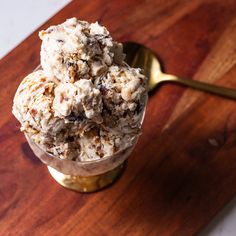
(183, 170)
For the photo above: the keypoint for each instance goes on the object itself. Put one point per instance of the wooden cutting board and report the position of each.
(183, 170)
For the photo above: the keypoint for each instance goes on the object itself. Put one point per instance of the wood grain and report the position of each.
(182, 171)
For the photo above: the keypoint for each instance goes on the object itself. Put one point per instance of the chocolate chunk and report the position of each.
(74, 117)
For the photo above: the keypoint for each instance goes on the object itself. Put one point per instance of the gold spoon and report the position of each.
(139, 56)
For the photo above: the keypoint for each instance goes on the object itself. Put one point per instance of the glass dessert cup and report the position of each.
(86, 176)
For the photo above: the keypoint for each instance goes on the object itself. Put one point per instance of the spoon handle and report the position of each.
(218, 90)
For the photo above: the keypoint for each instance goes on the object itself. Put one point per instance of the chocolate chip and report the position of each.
(70, 139)
(74, 117)
(138, 108)
(50, 30)
(103, 90)
(101, 36)
(70, 64)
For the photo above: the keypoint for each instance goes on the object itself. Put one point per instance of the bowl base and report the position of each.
(86, 184)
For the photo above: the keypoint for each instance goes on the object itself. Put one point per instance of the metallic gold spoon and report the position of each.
(139, 56)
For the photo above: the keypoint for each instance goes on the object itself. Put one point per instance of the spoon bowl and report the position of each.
(142, 57)
(139, 56)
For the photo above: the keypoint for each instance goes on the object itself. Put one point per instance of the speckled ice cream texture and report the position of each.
(86, 103)
(77, 49)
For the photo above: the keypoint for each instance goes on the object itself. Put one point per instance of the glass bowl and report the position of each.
(85, 176)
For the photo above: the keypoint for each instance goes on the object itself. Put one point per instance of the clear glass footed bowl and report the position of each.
(81, 168)
(85, 176)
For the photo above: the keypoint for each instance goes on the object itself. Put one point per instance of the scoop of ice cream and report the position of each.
(123, 92)
(33, 104)
(122, 89)
(54, 115)
(33, 107)
(76, 49)
(78, 101)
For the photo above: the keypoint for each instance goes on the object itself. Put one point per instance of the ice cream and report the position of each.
(86, 103)
(33, 104)
(76, 49)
